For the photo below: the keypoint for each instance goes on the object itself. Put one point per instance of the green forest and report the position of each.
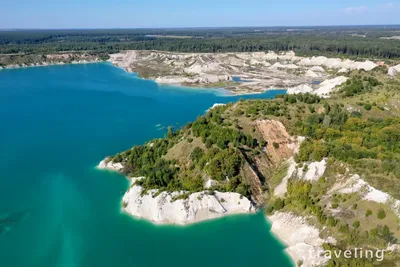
(338, 41)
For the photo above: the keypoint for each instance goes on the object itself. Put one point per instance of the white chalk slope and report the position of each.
(302, 239)
(160, 207)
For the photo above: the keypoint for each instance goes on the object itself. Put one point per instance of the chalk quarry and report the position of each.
(241, 73)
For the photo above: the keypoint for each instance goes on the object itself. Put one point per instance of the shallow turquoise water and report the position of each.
(57, 123)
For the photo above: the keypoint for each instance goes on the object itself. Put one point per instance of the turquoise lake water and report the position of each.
(56, 209)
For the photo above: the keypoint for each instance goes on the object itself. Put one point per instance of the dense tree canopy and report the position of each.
(317, 40)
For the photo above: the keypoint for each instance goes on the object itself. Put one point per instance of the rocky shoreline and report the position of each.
(237, 73)
(39, 60)
(178, 207)
(302, 239)
(167, 208)
(45, 64)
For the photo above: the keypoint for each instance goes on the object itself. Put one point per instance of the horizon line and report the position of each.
(204, 27)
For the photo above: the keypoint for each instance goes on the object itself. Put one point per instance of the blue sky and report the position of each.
(193, 13)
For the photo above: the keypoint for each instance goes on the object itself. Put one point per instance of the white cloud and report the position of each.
(356, 10)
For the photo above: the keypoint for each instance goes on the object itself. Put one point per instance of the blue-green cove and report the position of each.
(57, 210)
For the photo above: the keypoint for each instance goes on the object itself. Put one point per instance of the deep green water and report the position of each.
(57, 123)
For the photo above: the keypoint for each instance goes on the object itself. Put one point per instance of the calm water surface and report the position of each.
(57, 123)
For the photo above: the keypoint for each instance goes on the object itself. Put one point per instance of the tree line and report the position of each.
(110, 42)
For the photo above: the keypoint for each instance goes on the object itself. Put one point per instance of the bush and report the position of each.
(209, 143)
(381, 214)
(279, 204)
(276, 145)
(368, 213)
(367, 106)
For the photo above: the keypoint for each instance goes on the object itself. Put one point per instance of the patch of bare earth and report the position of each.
(280, 145)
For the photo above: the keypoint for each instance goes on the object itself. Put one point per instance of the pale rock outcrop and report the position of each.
(367, 65)
(124, 59)
(176, 207)
(333, 63)
(215, 105)
(108, 164)
(206, 79)
(315, 170)
(290, 56)
(311, 74)
(391, 38)
(337, 63)
(327, 86)
(271, 56)
(343, 70)
(173, 80)
(302, 239)
(324, 89)
(210, 67)
(355, 184)
(393, 71)
(281, 189)
(314, 61)
(317, 69)
(210, 183)
(278, 65)
(259, 62)
(300, 89)
(160, 208)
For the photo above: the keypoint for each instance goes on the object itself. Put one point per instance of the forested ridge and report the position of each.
(314, 41)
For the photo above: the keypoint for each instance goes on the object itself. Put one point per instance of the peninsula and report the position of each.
(325, 167)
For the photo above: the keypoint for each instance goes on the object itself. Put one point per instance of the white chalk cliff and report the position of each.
(393, 71)
(107, 164)
(160, 207)
(323, 90)
(165, 208)
(302, 239)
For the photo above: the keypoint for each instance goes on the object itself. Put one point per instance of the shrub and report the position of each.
(381, 214)
(368, 213)
(367, 106)
(278, 204)
(209, 143)
(276, 145)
